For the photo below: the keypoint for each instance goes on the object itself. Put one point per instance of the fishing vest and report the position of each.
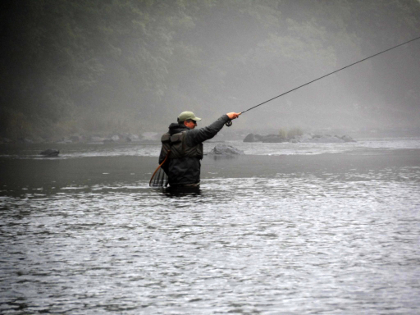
(179, 149)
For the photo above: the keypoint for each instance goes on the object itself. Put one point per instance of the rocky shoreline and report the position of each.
(153, 137)
(97, 139)
(305, 138)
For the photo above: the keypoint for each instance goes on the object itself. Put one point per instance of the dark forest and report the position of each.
(102, 66)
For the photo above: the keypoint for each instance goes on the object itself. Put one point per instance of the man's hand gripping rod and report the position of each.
(231, 116)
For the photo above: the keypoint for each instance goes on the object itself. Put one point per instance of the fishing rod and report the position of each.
(326, 75)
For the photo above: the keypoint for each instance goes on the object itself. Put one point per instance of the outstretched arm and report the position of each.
(197, 136)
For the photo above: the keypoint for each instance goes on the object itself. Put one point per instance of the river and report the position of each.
(284, 229)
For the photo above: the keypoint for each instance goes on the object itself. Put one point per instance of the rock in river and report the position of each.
(50, 152)
(225, 150)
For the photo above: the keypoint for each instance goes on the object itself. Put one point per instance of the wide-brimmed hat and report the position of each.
(187, 115)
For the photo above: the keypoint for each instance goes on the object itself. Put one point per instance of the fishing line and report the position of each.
(326, 75)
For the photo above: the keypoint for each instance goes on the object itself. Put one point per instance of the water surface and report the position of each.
(286, 229)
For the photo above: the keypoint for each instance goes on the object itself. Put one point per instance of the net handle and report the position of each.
(160, 165)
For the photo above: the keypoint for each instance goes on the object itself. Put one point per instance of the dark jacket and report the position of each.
(186, 170)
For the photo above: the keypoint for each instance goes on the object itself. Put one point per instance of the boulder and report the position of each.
(305, 138)
(50, 153)
(225, 150)
(266, 139)
(249, 138)
(348, 139)
(253, 138)
(131, 137)
(326, 139)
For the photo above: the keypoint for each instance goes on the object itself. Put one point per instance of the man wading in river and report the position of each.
(186, 148)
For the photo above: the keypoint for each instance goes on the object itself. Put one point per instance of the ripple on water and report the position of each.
(290, 244)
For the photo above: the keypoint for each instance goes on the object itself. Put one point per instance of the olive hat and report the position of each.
(186, 116)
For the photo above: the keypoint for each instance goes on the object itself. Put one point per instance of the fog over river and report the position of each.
(284, 229)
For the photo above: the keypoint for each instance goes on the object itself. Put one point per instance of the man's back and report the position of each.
(184, 169)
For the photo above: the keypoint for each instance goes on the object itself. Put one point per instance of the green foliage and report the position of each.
(283, 133)
(89, 65)
(288, 134)
(294, 133)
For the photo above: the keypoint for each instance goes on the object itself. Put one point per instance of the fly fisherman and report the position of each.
(186, 148)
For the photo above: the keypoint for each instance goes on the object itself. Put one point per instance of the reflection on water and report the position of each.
(172, 192)
(319, 239)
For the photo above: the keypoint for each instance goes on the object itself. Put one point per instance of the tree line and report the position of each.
(124, 65)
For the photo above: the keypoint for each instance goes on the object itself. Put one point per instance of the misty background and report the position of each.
(103, 66)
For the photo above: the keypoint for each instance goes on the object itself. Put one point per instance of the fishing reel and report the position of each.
(236, 115)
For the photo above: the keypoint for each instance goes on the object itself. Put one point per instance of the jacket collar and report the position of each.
(177, 128)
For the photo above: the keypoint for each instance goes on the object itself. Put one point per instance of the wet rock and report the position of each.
(306, 138)
(225, 150)
(131, 137)
(50, 152)
(325, 139)
(253, 138)
(348, 139)
(266, 139)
